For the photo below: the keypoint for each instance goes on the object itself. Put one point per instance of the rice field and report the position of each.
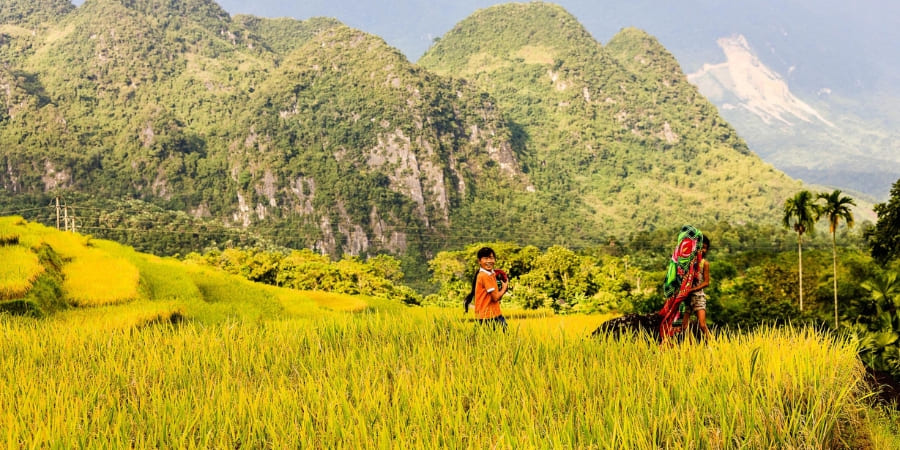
(19, 268)
(191, 357)
(9, 234)
(420, 378)
(95, 278)
(31, 234)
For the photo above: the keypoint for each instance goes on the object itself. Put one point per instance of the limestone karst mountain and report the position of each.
(610, 123)
(518, 125)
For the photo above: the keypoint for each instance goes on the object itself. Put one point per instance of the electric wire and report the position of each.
(100, 220)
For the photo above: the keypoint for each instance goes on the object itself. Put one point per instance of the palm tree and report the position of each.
(800, 214)
(836, 207)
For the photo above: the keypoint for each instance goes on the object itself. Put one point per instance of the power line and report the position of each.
(422, 235)
(17, 212)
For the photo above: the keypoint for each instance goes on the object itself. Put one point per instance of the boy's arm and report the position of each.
(705, 282)
(497, 294)
(490, 286)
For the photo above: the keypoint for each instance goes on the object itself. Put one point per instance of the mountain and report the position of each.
(177, 126)
(830, 60)
(823, 141)
(833, 56)
(618, 124)
(331, 140)
(30, 13)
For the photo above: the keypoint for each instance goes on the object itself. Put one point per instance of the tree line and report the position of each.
(851, 288)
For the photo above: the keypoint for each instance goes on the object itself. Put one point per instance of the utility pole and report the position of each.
(66, 216)
(57, 212)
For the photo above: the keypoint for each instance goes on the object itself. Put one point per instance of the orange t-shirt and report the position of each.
(485, 306)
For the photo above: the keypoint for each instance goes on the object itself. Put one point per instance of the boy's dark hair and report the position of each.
(483, 252)
(705, 240)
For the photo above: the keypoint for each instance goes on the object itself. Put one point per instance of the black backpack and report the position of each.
(471, 296)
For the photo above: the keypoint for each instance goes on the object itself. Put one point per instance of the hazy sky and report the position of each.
(837, 42)
(411, 25)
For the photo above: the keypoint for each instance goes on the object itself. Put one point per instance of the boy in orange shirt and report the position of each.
(487, 293)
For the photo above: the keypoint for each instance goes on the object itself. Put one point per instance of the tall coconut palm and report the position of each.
(836, 208)
(800, 214)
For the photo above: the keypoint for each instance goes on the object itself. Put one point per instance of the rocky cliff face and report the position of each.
(310, 130)
(389, 147)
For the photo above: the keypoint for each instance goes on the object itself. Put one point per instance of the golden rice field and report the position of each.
(191, 357)
(19, 268)
(422, 378)
(31, 234)
(95, 278)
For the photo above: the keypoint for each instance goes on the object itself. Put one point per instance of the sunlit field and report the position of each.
(18, 271)
(188, 356)
(96, 279)
(420, 378)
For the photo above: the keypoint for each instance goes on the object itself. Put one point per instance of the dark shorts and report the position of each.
(496, 322)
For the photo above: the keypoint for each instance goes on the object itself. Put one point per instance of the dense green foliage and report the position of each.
(314, 135)
(606, 129)
(145, 226)
(556, 278)
(285, 35)
(380, 276)
(884, 238)
(30, 13)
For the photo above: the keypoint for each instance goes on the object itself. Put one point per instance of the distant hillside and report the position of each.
(517, 126)
(33, 13)
(331, 139)
(618, 125)
(834, 56)
(826, 141)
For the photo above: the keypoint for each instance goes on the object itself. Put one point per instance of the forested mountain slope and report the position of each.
(617, 125)
(330, 139)
(517, 126)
